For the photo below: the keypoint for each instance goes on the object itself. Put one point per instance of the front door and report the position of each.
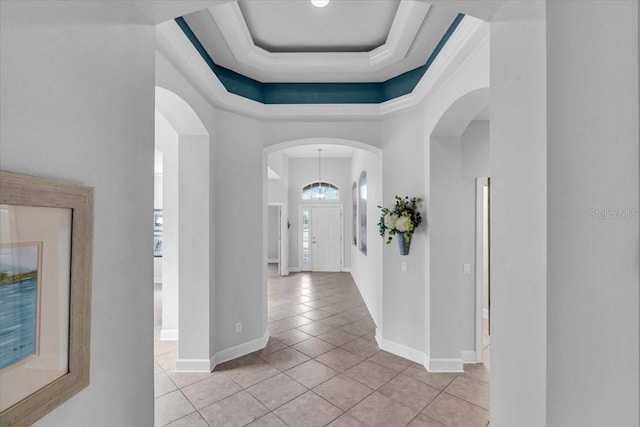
(326, 238)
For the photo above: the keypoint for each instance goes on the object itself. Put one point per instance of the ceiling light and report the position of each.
(319, 3)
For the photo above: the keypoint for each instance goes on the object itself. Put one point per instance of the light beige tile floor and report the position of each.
(321, 367)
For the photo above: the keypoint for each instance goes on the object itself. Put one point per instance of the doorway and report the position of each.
(483, 266)
(321, 231)
(277, 238)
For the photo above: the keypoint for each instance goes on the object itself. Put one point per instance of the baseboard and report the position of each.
(273, 260)
(169, 335)
(469, 357)
(444, 365)
(400, 350)
(431, 365)
(193, 365)
(346, 269)
(485, 313)
(294, 270)
(240, 350)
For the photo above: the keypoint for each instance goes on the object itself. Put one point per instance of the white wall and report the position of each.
(519, 216)
(593, 272)
(474, 151)
(303, 171)
(408, 323)
(166, 141)
(403, 294)
(278, 189)
(366, 270)
(157, 204)
(273, 221)
(76, 104)
(240, 271)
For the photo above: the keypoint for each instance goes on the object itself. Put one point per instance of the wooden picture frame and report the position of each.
(23, 193)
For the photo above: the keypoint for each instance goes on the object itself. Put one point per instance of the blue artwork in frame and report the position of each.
(20, 267)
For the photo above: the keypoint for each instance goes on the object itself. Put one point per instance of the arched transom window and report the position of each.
(320, 190)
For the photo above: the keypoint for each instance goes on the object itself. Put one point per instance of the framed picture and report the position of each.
(157, 220)
(46, 243)
(157, 244)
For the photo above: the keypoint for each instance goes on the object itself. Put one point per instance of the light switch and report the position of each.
(467, 269)
(405, 266)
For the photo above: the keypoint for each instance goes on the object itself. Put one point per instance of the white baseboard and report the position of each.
(240, 350)
(273, 260)
(485, 313)
(346, 269)
(294, 270)
(169, 335)
(193, 365)
(469, 357)
(444, 365)
(431, 365)
(400, 350)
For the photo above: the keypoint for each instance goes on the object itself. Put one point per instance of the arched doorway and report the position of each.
(459, 159)
(184, 142)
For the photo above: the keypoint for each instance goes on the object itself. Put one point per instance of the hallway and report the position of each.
(321, 367)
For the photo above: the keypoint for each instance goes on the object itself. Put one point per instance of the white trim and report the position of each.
(400, 349)
(481, 182)
(485, 313)
(157, 280)
(444, 365)
(346, 269)
(378, 64)
(240, 350)
(431, 365)
(294, 270)
(273, 261)
(470, 38)
(468, 356)
(169, 335)
(193, 365)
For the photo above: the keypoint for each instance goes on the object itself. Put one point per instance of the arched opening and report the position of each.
(344, 163)
(183, 186)
(459, 162)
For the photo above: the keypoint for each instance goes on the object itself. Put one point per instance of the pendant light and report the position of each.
(319, 194)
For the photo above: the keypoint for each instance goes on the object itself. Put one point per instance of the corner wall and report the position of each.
(76, 104)
(593, 170)
(366, 270)
(519, 215)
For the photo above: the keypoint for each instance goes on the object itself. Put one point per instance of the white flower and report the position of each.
(390, 220)
(404, 224)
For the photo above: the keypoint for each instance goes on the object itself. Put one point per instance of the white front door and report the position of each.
(326, 238)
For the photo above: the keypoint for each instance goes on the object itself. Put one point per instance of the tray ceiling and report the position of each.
(289, 41)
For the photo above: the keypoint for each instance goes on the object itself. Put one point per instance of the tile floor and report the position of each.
(321, 367)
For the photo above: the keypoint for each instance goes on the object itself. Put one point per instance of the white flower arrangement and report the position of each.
(402, 218)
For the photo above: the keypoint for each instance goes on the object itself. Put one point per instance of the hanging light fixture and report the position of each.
(319, 194)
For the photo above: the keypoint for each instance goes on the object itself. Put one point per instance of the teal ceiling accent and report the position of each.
(317, 93)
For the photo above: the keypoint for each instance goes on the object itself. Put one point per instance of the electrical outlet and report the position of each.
(238, 327)
(405, 266)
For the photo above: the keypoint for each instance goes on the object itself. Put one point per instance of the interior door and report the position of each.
(326, 238)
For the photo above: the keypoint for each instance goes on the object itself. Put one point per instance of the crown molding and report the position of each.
(468, 38)
(285, 67)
